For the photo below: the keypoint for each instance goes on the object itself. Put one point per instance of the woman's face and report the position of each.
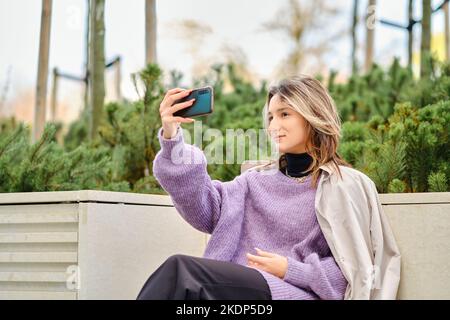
(287, 127)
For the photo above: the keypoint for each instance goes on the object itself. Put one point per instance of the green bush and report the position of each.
(395, 129)
(377, 92)
(45, 166)
(412, 147)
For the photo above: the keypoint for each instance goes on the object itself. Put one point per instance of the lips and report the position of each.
(279, 138)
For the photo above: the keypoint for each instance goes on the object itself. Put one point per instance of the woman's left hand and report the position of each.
(269, 262)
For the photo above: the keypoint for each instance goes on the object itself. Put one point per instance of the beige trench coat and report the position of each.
(357, 231)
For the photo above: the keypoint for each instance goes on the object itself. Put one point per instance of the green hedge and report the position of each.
(395, 129)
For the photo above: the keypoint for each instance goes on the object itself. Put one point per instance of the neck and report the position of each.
(298, 162)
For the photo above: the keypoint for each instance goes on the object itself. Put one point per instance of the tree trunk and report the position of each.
(97, 65)
(150, 31)
(354, 37)
(370, 35)
(447, 30)
(54, 94)
(410, 33)
(118, 78)
(86, 72)
(425, 50)
(42, 74)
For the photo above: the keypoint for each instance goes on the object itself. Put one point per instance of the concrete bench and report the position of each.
(104, 245)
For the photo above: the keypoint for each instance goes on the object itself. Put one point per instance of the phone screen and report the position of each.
(203, 103)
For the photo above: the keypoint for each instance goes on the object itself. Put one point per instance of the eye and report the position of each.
(284, 113)
(270, 119)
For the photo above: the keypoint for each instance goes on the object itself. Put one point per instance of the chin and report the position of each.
(282, 149)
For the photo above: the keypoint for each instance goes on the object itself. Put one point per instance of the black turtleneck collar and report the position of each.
(298, 162)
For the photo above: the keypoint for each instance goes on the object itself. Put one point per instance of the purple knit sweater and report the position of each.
(267, 210)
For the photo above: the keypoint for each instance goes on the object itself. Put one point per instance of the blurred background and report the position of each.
(81, 82)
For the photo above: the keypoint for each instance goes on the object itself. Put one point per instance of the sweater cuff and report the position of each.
(167, 145)
(298, 273)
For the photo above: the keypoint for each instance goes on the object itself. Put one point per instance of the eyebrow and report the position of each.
(281, 109)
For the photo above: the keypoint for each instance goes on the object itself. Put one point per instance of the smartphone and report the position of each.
(203, 104)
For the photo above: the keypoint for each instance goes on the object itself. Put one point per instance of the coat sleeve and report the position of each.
(387, 258)
(180, 169)
(313, 268)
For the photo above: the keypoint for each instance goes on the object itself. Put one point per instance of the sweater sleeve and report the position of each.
(180, 168)
(314, 268)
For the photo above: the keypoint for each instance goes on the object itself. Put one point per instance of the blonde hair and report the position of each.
(311, 100)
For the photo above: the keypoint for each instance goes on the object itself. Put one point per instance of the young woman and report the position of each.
(301, 227)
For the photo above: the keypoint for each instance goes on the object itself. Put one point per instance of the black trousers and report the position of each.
(183, 277)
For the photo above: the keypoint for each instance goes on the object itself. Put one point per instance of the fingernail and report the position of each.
(257, 249)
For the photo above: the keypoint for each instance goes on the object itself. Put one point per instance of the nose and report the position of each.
(274, 129)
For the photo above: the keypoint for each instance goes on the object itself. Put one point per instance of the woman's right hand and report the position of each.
(167, 108)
